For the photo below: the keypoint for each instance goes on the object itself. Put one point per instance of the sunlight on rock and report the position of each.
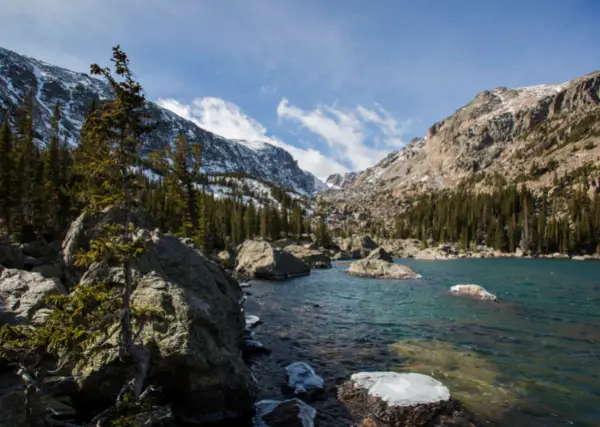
(471, 379)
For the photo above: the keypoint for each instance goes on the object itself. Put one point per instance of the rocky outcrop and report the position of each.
(261, 260)
(390, 399)
(313, 257)
(473, 291)
(198, 334)
(358, 246)
(289, 413)
(379, 269)
(303, 380)
(22, 294)
(341, 256)
(380, 254)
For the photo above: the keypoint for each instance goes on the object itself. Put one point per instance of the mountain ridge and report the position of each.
(76, 91)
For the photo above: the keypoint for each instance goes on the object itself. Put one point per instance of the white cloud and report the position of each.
(359, 137)
(226, 119)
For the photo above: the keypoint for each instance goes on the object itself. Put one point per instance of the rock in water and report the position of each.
(474, 291)
(251, 320)
(358, 247)
(22, 294)
(261, 260)
(196, 343)
(289, 413)
(381, 254)
(313, 257)
(394, 399)
(303, 379)
(379, 269)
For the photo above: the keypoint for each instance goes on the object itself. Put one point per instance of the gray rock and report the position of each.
(226, 259)
(12, 410)
(11, 256)
(198, 335)
(341, 255)
(303, 380)
(289, 413)
(261, 260)
(22, 294)
(314, 258)
(282, 243)
(379, 269)
(381, 254)
(358, 246)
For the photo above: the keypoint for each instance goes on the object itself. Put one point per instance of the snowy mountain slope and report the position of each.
(76, 92)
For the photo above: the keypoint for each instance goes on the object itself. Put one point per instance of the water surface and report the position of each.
(531, 360)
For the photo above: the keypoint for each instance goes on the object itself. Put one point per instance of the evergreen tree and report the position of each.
(8, 176)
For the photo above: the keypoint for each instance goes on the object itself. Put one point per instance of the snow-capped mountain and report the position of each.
(76, 92)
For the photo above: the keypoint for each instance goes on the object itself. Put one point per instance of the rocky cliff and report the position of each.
(524, 135)
(75, 91)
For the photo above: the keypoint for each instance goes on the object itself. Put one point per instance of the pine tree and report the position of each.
(8, 176)
(181, 166)
(52, 170)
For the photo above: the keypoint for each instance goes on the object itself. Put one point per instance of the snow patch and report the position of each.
(402, 389)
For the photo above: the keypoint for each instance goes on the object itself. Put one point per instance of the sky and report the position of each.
(338, 83)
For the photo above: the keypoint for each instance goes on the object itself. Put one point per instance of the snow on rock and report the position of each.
(289, 413)
(395, 399)
(475, 291)
(251, 320)
(402, 389)
(303, 379)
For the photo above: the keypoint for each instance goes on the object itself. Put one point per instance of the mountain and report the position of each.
(526, 135)
(76, 91)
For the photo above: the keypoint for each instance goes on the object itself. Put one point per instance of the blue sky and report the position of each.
(339, 83)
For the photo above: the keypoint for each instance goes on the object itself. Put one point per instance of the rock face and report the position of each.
(314, 258)
(22, 294)
(303, 380)
(379, 269)
(198, 335)
(289, 413)
(474, 291)
(395, 400)
(358, 246)
(506, 132)
(380, 254)
(261, 260)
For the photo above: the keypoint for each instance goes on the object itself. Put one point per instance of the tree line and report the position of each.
(565, 220)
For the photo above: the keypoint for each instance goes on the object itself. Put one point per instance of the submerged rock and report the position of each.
(473, 380)
(303, 380)
(252, 346)
(313, 257)
(379, 269)
(22, 294)
(261, 260)
(474, 291)
(289, 413)
(395, 399)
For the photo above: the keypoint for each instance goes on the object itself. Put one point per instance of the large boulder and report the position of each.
(11, 256)
(226, 259)
(283, 243)
(473, 291)
(289, 413)
(358, 246)
(313, 257)
(261, 260)
(22, 294)
(198, 335)
(392, 399)
(379, 269)
(381, 254)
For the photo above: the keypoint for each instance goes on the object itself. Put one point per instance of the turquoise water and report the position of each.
(531, 360)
